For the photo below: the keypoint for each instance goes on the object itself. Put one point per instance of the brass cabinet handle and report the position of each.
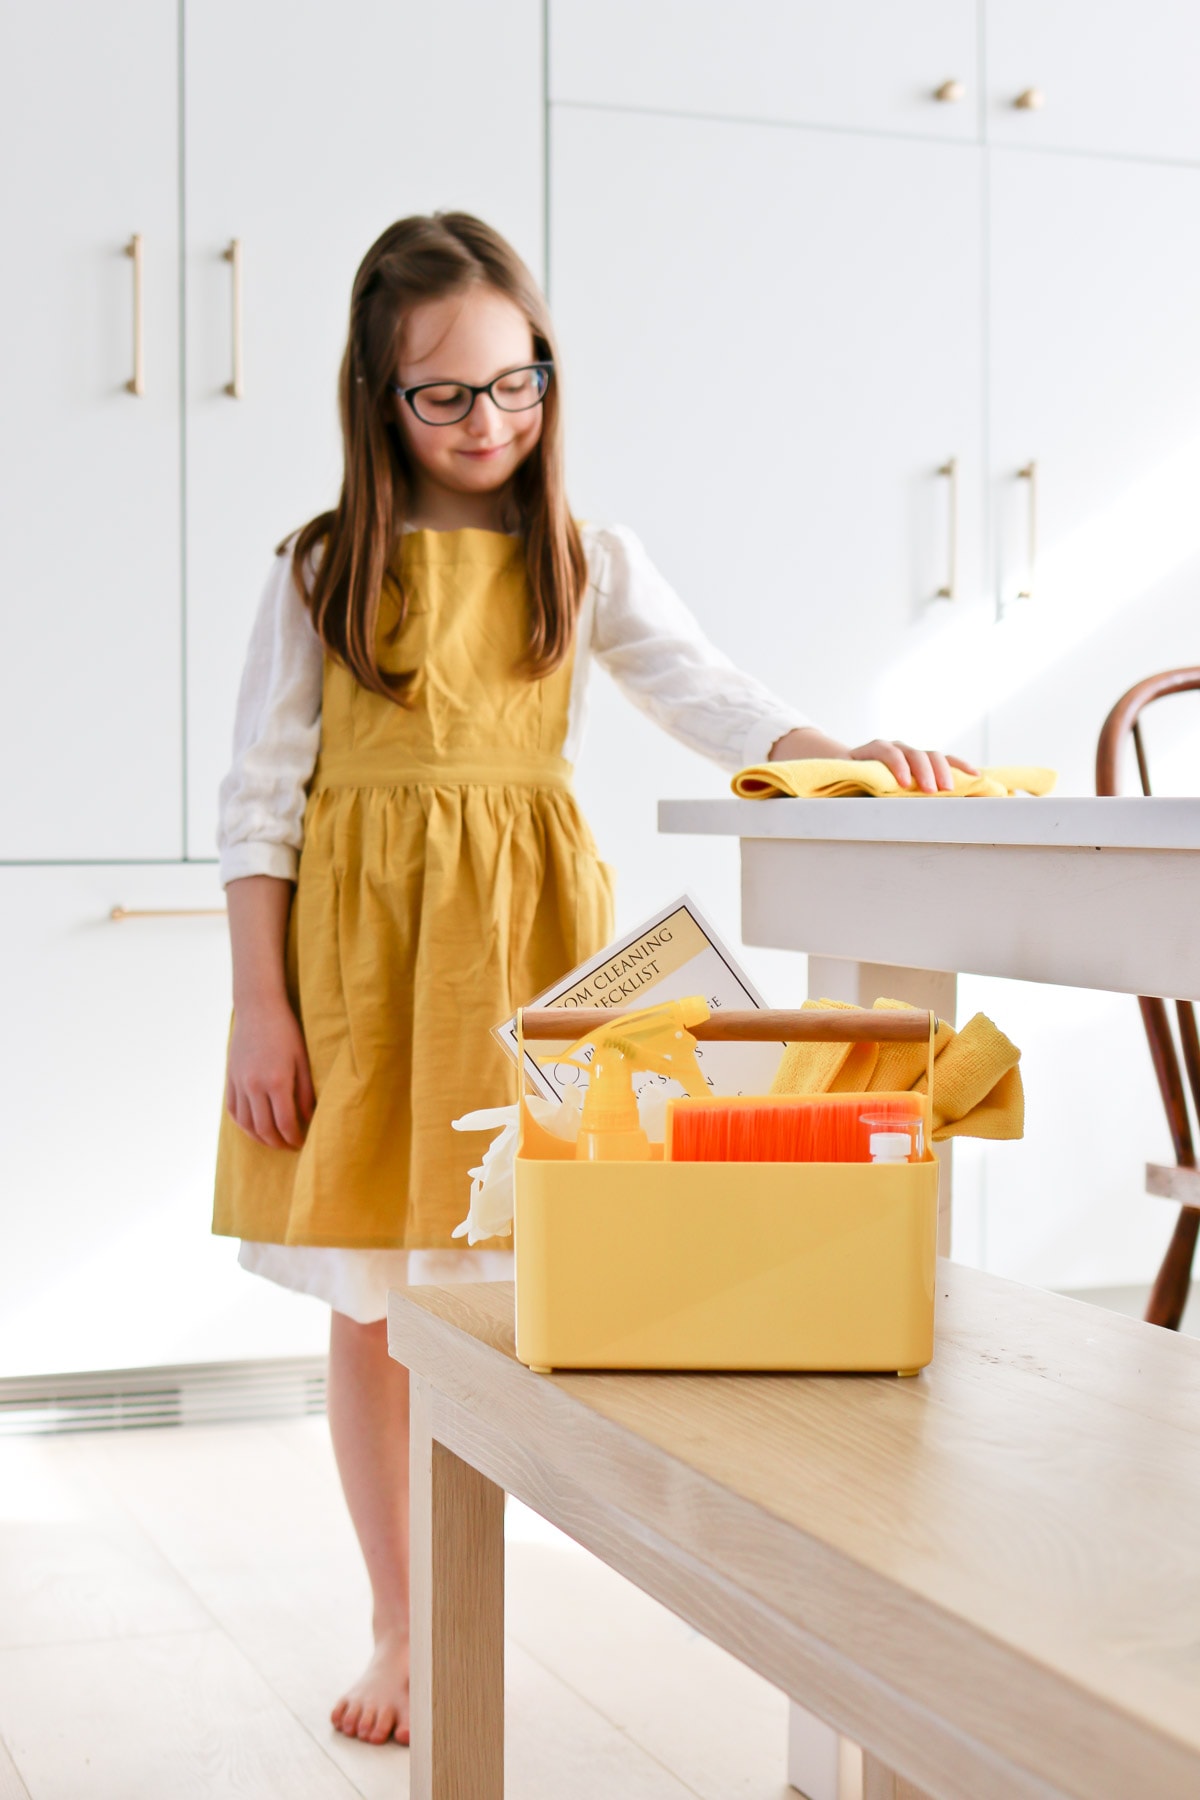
(1030, 474)
(137, 383)
(1032, 99)
(950, 590)
(166, 912)
(950, 92)
(236, 388)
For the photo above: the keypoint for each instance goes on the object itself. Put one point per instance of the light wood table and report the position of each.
(900, 897)
(1041, 1637)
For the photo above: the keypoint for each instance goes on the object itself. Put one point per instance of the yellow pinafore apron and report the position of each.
(446, 877)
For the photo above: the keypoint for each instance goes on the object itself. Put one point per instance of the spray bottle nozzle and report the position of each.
(653, 1039)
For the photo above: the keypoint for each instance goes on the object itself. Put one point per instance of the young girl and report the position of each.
(405, 860)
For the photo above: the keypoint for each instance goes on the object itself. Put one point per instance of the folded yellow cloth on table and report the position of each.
(977, 1089)
(835, 778)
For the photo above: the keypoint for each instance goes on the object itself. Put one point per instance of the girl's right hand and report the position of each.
(269, 1088)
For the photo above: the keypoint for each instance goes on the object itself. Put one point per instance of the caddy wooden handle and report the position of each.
(772, 1026)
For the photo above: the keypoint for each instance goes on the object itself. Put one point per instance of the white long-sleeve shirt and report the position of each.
(631, 622)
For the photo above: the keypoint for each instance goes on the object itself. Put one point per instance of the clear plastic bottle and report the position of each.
(892, 1137)
(890, 1146)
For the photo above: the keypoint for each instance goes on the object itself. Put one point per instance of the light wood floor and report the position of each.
(178, 1609)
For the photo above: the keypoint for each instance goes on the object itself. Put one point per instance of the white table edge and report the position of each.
(1125, 823)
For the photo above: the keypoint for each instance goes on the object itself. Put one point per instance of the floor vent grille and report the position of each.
(185, 1394)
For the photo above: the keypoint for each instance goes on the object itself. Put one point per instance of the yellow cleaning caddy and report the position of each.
(648, 1264)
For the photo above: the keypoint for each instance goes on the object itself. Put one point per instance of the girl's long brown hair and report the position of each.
(425, 258)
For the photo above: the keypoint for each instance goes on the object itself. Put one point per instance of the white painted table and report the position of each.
(1082, 892)
(899, 897)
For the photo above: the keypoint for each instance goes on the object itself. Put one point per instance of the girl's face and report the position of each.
(469, 337)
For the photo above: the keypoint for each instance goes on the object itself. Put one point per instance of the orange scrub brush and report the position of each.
(794, 1128)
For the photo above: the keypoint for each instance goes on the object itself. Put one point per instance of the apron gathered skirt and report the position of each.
(446, 877)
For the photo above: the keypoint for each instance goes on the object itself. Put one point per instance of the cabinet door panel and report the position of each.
(1095, 377)
(90, 679)
(112, 1074)
(306, 142)
(1115, 77)
(771, 343)
(858, 64)
(1095, 290)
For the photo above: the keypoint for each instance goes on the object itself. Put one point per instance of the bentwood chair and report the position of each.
(1181, 1183)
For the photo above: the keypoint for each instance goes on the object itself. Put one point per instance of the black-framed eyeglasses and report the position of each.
(449, 402)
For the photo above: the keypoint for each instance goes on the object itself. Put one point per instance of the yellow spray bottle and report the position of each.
(653, 1039)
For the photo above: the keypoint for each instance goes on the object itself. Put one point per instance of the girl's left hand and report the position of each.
(926, 770)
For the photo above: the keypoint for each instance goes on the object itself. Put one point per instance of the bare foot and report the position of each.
(376, 1707)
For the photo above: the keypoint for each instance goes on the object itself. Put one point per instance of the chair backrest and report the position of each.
(1124, 721)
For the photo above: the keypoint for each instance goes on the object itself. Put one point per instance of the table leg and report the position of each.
(880, 1783)
(821, 1765)
(457, 1621)
(817, 1772)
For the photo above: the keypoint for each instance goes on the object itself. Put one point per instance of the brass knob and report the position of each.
(1032, 100)
(950, 91)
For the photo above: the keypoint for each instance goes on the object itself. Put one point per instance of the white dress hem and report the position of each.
(356, 1282)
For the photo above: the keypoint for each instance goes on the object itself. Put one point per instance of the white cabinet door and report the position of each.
(1095, 378)
(308, 134)
(771, 344)
(111, 1070)
(90, 679)
(1121, 77)
(860, 64)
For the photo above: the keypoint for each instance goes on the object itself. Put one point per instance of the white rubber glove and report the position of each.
(491, 1210)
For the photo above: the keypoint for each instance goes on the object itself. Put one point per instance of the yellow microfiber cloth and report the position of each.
(835, 778)
(977, 1089)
